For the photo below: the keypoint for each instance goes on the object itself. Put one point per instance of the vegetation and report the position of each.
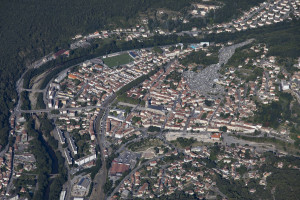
(40, 101)
(49, 160)
(200, 58)
(108, 187)
(228, 10)
(204, 115)
(274, 36)
(153, 129)
(272, 140)
(208, 103)
(93, 170)
(232, 9)
(223, 129)
(135, 119)
(240, 55)
(185, 142)
(177, 195)
(281, 184)
(273, 114)
(55, 112)
(25, 101)
(144, 144)
(172, 78)
(157, 50)
(124, 98)
(43, 160)
(25, 181)
(136, 82)
(117, 60)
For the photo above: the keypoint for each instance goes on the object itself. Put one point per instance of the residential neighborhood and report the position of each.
(186, 120)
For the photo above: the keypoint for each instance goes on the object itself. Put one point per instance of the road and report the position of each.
(212, 116)
(228, 140)
(99, 128)
(10, 182)
(62, 109)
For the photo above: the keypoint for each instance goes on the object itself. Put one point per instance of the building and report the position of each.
(82, 186)
(59, 53)
(73, 146)
(117, 169)
(62, 195)
(284, 85)
(61, 77)
(68, 157)
(61, 138)
(216, 136)
(85, 159)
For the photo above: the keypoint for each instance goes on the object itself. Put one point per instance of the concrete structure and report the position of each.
(198, 136)
(85, 159)
(73, 146)
(82, 187)
(284, 85)
(68, 157)
(61, 138)
(62, 195)
(61, 77)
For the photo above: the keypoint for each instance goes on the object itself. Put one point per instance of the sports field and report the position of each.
(118, 60)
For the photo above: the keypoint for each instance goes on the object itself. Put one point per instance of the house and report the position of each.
(117, 169)
(215, 136)
(59, 53)
(284, 85)
(153, 163)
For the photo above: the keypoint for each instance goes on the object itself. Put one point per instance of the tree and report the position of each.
(157, 50)
(156, 150)
(223, 129)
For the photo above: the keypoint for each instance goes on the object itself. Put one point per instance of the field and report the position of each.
(118, 60)
(144, 144)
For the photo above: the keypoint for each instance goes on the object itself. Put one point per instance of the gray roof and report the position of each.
(84, 182)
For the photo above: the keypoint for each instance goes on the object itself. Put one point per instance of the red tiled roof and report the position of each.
(118, 168)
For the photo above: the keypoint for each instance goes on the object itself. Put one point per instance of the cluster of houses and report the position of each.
(92, 83)
(203, 9)
(17, 159)
(139, 31)
(266, 13)
(77, 122)
(166, 181)
(6, 170)
(190, 175)
(182, 109)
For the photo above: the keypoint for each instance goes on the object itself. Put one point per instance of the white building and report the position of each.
(73, 146)
(85, 159)
(284, 85)
(61, 138)
(68, 157)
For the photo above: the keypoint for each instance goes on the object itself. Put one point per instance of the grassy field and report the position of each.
(144, 144)
(118, 60)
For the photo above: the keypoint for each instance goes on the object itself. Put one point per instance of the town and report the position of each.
(155, 121)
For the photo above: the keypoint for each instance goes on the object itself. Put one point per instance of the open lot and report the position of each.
(118, 60)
